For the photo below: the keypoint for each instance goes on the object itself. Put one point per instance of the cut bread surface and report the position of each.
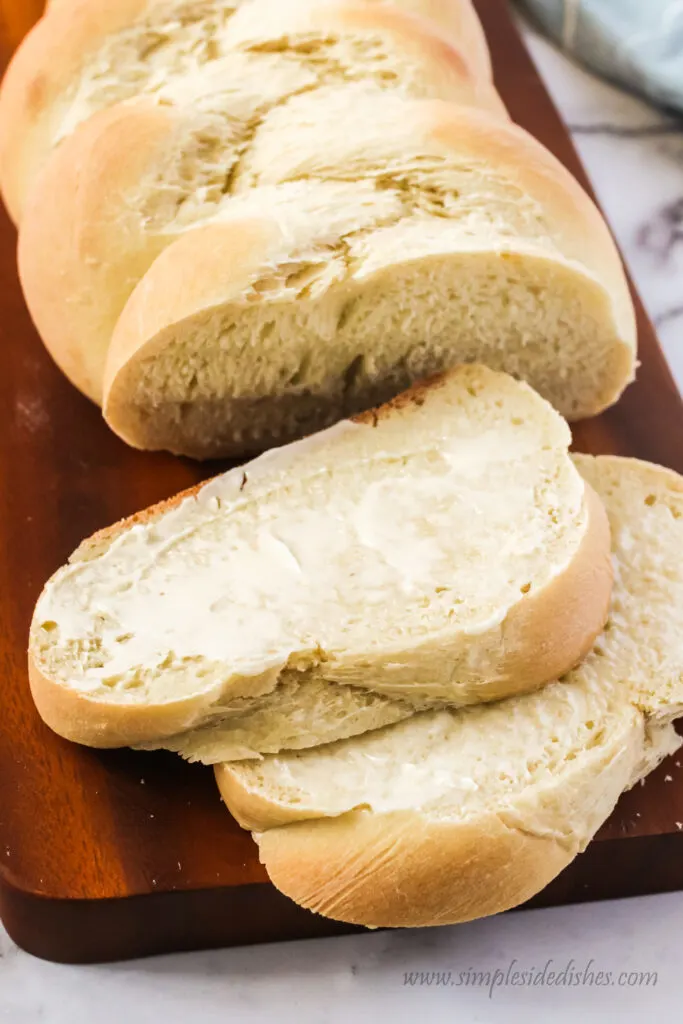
(300, 712)
(413, 236)
(416, 823)
(442, 548)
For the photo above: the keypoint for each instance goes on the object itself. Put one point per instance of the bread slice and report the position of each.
(300, 712)
(442, 548)
(403, 237)
(83, 56)
(453, 815)
(94, 223)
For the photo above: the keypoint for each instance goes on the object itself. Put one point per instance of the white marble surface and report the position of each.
(635, 157)
(360, 979)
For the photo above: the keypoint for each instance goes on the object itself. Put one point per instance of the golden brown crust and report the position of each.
(53, 54)
(76, 233)
(104, 724)
(552, 629)
(41, 70)
(405, 870)
(90, 547)
(82, 234)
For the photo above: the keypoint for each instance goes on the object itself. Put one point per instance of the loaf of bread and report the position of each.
(454, 513)
(321, 201)
(404, 237)
(103, 220)
(452, 815)
(86, 55)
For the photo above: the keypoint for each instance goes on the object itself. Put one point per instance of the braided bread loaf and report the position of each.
(87, 55)
(241, 222)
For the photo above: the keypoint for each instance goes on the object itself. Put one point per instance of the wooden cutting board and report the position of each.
(120, 854)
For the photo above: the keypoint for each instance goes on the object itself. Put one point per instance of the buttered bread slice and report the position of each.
(452, 815)
(440, 549)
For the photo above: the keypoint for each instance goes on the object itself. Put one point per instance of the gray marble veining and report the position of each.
(634, 156)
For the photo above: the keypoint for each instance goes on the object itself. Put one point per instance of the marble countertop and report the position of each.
(634, 155)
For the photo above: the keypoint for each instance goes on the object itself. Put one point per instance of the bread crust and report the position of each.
(38, 75)
(53, 54)
(422, 867)
(403, 870)
(75, 229)
(458, 22)
(554, 627)
(419, 867)
(584, 234)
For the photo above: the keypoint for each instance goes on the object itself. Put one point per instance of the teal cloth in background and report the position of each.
(638, 43)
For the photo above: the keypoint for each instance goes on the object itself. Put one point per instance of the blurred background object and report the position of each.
(637, 43)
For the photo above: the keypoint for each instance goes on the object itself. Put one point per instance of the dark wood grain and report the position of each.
(113, 855)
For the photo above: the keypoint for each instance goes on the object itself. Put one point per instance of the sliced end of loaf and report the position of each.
(385, 255)
(194, 386)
